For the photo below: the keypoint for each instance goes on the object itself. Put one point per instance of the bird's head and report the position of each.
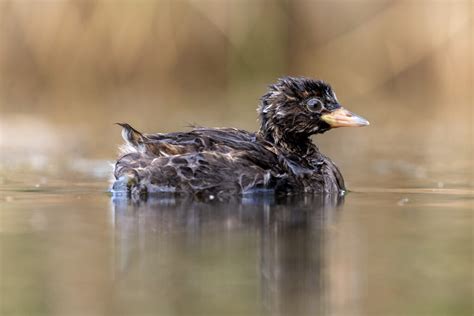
(295, 108)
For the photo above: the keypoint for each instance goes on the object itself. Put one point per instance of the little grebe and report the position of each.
(214, 162)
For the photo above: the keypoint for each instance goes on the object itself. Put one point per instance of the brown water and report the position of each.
(69, 248)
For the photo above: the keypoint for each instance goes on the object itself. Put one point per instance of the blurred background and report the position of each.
(400, 244)
(70, 69)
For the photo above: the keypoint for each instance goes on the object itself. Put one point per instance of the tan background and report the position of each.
(70, 69)
(400, 245)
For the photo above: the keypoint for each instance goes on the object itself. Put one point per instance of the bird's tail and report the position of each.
(131, 135)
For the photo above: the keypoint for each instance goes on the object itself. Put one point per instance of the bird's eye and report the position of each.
(314, 105)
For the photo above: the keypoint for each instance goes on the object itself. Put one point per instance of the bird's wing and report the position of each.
(199, 160)
(225, 140)
(206, 172)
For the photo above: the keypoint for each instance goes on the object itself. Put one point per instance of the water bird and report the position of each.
(217, 162)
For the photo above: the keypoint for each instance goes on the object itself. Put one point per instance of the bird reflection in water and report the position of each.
(166, 242)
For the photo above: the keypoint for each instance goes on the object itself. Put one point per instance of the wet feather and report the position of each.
(280, 157)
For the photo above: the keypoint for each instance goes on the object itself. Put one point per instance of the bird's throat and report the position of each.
(289, 144)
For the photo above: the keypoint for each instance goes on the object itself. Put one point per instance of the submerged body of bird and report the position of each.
(279, 158)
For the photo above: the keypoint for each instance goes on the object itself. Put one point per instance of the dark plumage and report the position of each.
(215, 162)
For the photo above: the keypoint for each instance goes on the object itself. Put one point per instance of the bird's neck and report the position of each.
(295, 145)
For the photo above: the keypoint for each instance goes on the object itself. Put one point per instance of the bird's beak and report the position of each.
(343, 118)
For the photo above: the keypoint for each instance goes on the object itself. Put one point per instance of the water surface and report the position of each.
(70, 248)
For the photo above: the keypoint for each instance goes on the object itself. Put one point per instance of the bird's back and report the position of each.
(217, 162)
(201, 161)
